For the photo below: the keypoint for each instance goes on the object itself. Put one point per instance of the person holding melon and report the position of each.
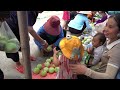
(109, 66)
(12, 21)
(51, 32)
(72, 52)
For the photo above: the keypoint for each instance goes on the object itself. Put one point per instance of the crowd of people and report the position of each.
(65, 37)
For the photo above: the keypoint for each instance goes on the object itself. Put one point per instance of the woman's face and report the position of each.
(111, 29)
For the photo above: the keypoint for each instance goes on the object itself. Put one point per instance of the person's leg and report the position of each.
(15, 58)
(65, 24)
(1, 74)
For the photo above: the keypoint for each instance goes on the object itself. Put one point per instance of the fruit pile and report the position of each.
(86, 40)
(45, 68)
(9, 45)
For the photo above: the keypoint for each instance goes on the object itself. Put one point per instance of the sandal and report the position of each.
(20, 69)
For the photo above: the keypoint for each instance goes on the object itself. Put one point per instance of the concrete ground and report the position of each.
(8, 66)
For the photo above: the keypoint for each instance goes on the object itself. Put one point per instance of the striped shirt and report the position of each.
(65, 72)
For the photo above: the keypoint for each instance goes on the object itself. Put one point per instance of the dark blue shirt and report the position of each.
(12, 21)
(61, 35)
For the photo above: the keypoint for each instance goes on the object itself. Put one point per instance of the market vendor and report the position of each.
(51, 32)
(109, 67)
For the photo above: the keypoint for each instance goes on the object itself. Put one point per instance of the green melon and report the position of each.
(49, 48)
(48, 60)
(57, 69)
(14, 40)
(11, 47)
(36, 70)
(47, 64)
(46, 69)
(51, 70)
(3, 38)
(39, 66)
(51, 58)
(43, 73)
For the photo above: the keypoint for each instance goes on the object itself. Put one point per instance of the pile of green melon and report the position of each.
(9, 45)
(47, 67)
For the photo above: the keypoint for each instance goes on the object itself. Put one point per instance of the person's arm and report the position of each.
(60, 37)
(111, 70)
(55, 59)
(110, 73)
(90, 50)
(88, 25)
(35, 35)
(32, 16)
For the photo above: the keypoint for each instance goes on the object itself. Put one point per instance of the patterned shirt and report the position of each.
(65, 72)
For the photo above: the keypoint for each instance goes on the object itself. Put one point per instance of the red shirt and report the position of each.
(66, 15)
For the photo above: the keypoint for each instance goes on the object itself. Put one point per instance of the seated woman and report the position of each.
(79, 23)
(51, 32)
(109, 67)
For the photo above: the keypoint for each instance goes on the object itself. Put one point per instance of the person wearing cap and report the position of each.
(51, 32)
(12, 21)
(79, 23)
(72, 52)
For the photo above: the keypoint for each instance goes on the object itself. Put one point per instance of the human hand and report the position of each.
(89, 50)
(78, 68)
(45, 45)
(55, 51)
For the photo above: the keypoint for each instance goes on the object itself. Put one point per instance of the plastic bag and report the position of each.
(8, 41)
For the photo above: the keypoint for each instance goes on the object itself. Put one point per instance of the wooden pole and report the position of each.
(25, 48)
